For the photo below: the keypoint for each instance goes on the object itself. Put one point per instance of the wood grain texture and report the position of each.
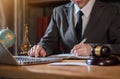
(44, 71)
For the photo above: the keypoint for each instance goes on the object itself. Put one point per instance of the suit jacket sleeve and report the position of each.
(50, 40)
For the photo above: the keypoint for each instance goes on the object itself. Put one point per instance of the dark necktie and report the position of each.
(79, 26)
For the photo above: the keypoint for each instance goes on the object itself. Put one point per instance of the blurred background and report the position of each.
(14, 14)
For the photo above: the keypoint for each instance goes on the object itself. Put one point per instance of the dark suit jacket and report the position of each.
(102, 28)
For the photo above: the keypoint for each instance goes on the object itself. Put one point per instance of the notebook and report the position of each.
(7, 58)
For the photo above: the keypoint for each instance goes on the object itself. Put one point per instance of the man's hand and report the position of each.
(82, 49)
(37, 51)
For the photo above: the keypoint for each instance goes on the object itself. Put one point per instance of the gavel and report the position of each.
(102, 56)
(101, 51)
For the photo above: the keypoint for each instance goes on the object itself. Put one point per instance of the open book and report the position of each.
(69, 56)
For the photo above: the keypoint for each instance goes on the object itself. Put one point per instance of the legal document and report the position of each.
(69, 56)
(68, 64)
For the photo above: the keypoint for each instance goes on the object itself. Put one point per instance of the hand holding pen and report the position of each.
(82, 49)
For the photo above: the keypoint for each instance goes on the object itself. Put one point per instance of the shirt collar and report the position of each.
(86, 9)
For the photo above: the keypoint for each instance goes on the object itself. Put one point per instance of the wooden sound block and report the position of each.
(103, 61)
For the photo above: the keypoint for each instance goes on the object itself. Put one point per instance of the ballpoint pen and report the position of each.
(81, 42)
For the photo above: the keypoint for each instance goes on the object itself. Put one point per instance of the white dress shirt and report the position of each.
(86, 14)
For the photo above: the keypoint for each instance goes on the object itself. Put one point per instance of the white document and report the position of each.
(69, 56)
(68, 64)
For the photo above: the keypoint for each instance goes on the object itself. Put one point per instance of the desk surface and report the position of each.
(44, 71)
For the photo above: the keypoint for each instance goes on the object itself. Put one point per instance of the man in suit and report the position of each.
(100, 25)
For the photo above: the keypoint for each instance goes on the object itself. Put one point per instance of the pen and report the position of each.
(83, 40)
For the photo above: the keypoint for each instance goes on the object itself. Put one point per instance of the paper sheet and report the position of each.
(68, 64)
(69, 56)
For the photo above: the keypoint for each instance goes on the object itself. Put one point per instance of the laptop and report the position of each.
(7, 58)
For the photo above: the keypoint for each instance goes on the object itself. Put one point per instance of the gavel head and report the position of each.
(101, 51)
(102, 56)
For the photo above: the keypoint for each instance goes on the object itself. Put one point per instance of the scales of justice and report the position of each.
(26, 43)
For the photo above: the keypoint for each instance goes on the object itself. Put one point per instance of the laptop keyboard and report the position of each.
(24, 60)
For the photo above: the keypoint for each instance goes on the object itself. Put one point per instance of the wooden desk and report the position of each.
(44, 71)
